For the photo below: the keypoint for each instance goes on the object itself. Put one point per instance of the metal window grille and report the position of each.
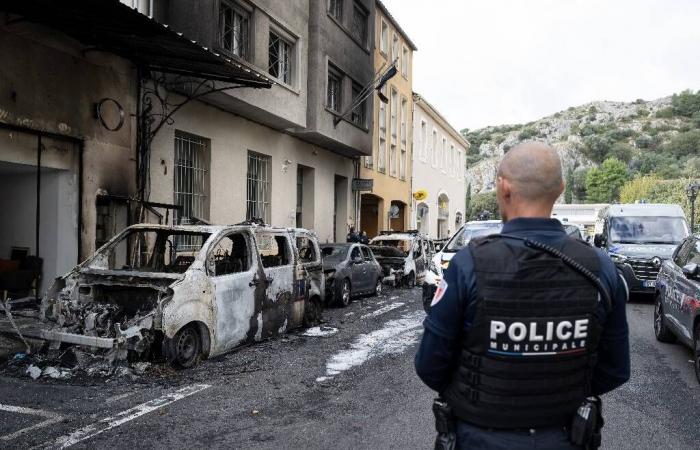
(335, 9)
(358, 115)
(395, 48)
(280, 58)
(434, 149)
(234, 26)
(191, 184)
(423, 140)
(359, 23)
(334, 97)
(300, 196)
(381, 158)
(392, 160)
(258, 189)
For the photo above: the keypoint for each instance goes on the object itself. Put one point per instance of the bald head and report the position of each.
(533, 170)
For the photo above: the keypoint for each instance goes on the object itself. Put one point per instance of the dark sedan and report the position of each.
(677, 301)
(351, 270)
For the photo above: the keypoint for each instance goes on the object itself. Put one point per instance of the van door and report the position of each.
(419, 257)
(232, 268)
(310, 259)
(280, 309)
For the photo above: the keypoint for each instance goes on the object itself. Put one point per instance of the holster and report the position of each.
(444, 425)
(587, 423)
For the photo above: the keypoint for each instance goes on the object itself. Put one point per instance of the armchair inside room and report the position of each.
(19, 275)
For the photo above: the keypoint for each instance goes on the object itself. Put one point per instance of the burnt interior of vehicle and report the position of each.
(165, 251)
(404, 245)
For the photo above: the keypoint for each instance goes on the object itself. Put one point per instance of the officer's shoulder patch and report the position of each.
(439, 293)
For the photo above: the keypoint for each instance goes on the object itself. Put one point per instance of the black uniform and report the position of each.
(513, 337)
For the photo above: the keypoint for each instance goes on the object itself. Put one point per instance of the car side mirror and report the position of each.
(438, 247)
(599, 240)
(690, 270)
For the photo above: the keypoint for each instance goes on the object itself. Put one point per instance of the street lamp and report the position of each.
(692, 192)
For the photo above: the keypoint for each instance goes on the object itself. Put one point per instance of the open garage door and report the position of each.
(40, 210)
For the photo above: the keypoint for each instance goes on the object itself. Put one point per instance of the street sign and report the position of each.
(362, 184)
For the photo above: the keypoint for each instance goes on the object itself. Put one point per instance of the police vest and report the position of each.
(528, 357)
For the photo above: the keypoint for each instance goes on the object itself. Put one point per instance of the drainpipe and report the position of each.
(38, 195)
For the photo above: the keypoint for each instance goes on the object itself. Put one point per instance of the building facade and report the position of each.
(287, 154)
(439, 169)
(388, 206)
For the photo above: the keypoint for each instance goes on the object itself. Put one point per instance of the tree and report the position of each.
(579, 184)
(621, 151)
(484, 201)
(685, 103)
(603, 183)
(468, 199)
(684, 144)
(596, 148)
(569, 189)
(638, 189)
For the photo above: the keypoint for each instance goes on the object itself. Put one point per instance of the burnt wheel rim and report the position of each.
(186, 346)
(345, 293)
(378, 288)
(657, 318)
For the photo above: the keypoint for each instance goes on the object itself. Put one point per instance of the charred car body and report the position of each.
(350, 269)
(189, 292)
(402, 255)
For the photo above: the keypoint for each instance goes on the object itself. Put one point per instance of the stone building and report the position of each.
(388, 206)
(287, 154)
(438, 169)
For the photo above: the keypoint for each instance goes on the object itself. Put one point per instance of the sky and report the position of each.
(494, 62)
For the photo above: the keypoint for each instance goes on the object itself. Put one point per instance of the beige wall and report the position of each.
(231, 138)
(387, 187)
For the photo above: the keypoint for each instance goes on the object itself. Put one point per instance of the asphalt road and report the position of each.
(350, 388)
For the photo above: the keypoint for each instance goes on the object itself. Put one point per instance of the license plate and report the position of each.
(649, 283)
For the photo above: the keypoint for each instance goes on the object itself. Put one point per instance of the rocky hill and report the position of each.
(649, 136)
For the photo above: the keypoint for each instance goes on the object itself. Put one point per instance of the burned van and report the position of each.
(190, 292)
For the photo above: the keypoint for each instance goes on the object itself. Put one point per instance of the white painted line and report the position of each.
(393, 338)
(50, 417)
(383, 310)
(123, 417)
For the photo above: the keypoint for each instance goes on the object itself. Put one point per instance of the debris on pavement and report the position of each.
(320, 331)
(33, 371)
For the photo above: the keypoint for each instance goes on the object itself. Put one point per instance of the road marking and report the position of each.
(393, 338)
(123, 417)
(383, 310)
(50, 417)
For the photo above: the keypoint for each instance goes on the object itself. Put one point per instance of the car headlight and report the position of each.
(616, 257)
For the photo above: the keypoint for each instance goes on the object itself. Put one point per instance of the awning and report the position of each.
(111, 26)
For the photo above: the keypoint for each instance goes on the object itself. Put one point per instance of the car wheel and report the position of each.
(313, 312)
(185, 349)
(344, 293)
(696, 350)
(378, 287)
(661, 330)
(411, 280)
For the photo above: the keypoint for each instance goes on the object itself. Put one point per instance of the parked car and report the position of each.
(402, 255)
(638, 238)
(192, 291)
(350, 269)
(441, 259)
(677, 299)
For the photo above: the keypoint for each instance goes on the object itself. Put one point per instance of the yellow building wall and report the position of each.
(374, 211)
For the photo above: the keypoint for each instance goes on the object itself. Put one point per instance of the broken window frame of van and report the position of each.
(194, 314)
(408, 265)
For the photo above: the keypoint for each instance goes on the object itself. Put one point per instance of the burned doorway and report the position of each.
(371, 208)
(39, 179)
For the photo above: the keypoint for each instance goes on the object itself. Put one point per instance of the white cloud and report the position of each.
(490, 62)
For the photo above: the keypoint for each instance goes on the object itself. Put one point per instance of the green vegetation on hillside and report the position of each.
(627, 151)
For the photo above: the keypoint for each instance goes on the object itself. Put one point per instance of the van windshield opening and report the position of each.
(648, 230)
(402, 244)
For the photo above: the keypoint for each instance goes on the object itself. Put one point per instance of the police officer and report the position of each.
(517, 338)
